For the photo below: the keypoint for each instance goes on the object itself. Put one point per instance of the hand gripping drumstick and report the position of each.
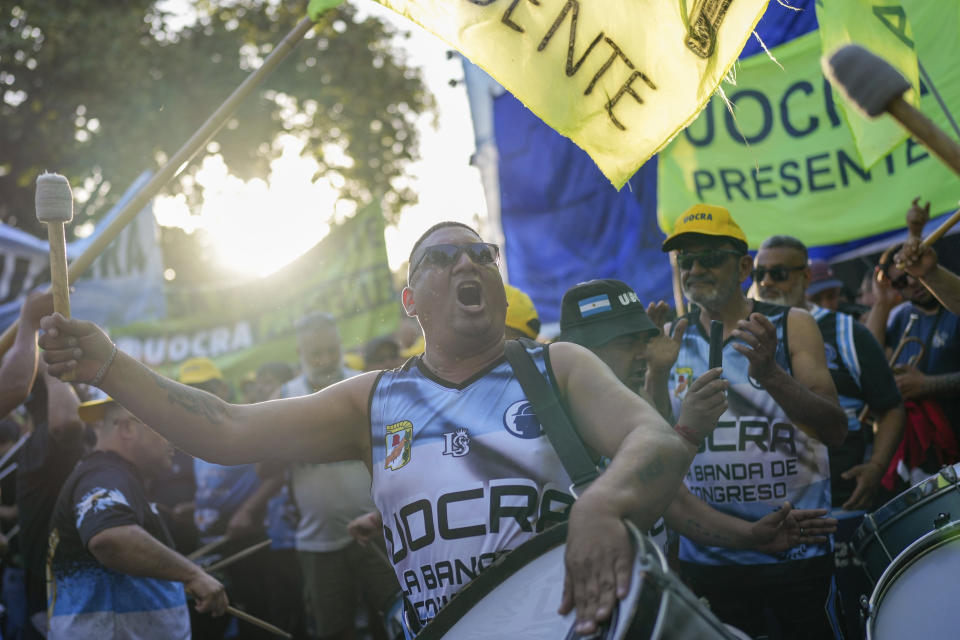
(54, 204)
(874, 86)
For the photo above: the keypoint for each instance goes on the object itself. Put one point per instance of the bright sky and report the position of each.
(448, 187)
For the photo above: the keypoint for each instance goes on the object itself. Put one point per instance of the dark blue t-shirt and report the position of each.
(940, 335)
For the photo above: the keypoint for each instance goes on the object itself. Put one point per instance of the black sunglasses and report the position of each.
(445, 255)
(777, 274)
(707, 259)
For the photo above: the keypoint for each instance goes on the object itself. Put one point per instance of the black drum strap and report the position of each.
(578, 463)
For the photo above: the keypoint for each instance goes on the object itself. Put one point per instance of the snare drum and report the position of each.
(916, 597)
(518, 598)
(915, 512)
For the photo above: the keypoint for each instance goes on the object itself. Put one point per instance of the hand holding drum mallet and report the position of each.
(54, 204)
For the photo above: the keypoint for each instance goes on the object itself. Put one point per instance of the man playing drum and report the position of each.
(461, 469)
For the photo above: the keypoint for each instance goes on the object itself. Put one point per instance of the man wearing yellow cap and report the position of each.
(114, 573)
(770, 443)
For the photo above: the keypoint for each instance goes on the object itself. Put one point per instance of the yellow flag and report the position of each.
(882, 27)
(618, 77)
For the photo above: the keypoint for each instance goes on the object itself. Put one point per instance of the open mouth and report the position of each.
(468, 294)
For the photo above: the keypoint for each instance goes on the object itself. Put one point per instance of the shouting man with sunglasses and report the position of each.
(462, 471)
(769, 445)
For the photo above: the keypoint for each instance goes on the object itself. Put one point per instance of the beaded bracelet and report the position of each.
(98, 378)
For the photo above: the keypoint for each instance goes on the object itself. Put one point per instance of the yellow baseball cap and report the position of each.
(198, 371)
(521, 314)
(708, 220)
(94, 410)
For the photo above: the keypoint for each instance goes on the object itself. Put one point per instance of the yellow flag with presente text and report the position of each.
(618, 77)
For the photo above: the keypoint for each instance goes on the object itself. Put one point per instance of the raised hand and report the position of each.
(705, 402)
(914, 258)
(73, 346)
(759, 345)
(662, 350)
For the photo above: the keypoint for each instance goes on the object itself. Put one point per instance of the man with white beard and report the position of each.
(857, 365)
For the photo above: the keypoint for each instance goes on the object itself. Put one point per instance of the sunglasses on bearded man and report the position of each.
(777, 274)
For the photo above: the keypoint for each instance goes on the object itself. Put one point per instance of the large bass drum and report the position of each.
(916, 596)
(518, 598)
(917, 511)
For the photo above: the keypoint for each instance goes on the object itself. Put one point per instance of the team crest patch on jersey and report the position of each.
(456, 443)
(684, 380)
(398, 443)
(520, 420)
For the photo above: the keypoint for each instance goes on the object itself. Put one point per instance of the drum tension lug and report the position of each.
(941, 520)
(865, 606)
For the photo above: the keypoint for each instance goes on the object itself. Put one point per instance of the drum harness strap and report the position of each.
(573, 454)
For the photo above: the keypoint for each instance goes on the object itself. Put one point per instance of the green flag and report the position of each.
(241, 327)
(785, 161)
(882, 27)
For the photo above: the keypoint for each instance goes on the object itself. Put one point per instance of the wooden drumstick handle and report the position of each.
(924, 130)
(257, 622)
(58, 268)
(942, 229)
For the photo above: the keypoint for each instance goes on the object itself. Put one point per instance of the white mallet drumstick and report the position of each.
(54, 202)
(875, 87)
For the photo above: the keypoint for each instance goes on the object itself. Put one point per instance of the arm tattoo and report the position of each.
(946, 384)
(716, 538)
(650, 471)
(193, 400)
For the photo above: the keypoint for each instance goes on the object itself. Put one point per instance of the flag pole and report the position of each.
(679, 302)
(177, 163)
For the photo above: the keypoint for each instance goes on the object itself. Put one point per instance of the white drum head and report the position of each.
(921, 600)
(523, 606)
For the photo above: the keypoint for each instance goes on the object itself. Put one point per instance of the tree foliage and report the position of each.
(100, 91)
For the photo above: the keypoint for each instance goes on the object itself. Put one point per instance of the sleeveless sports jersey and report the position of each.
(461, 473)
(841, 352)
(755, 458)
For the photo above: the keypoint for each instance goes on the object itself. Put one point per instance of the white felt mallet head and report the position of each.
(54, 202)
(54, 199)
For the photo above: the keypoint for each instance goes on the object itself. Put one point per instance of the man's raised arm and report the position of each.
(324, 427)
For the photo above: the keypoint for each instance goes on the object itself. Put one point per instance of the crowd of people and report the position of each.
(353, 495)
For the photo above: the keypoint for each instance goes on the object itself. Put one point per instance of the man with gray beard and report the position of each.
(770, 443)
(857, 365)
